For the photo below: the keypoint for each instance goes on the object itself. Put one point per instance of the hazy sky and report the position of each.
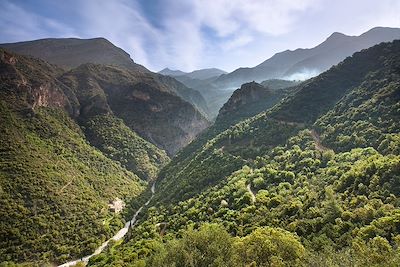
(192, 34)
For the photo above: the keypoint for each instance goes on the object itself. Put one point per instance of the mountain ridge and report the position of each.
(283, 64)
(70, 53)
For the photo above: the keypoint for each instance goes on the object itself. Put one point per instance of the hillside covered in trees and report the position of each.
(312, 181)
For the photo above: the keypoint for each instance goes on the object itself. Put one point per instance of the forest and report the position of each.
(289, 174)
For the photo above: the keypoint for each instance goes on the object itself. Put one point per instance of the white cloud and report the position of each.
(262, 16)
(202, 33)
(237, 42)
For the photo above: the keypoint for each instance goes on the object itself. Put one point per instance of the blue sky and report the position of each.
(193, 34)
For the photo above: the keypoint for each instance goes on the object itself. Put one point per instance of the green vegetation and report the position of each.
(312, 181)
(145, 104)
(325, 177)
(251, 99)
(54, 186)
(120, 143)
(54, 189)
(276, 84)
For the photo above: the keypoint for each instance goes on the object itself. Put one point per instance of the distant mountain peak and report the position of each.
(304, 61)
(201, 74)
(336, 35)
(169, 72)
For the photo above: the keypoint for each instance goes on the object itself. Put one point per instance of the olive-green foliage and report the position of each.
(209, 246)
(276, 84)
(120, 143)
(269, 247)
(337, 193)
(54, 188)
(318, 95)
(220, 156)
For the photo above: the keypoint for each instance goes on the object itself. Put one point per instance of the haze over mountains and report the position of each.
(302, 64)
(202, 74)
(299, 64)
(290, 173)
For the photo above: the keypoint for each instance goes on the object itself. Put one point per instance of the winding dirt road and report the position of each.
(253, 197)
(318, 144)
(118, 236)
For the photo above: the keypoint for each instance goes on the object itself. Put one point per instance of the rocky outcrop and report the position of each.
(33, 84)
(145, 103)
(251, 99)
(156, 112)
(248, 94)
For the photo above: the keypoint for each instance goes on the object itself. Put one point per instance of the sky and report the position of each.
(194, 34)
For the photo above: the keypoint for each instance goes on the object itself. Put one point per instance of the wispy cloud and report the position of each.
(199, 33)
(17, 24)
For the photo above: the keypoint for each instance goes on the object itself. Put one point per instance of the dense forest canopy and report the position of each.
(314, 181)
(290, 173)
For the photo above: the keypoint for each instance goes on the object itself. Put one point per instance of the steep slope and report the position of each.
(305, 63)
(186, 93)
(251, 99)
(144, 103)
(309, 101)
(202, 81)
(329, 179)
(279, 84)
(54, 186)
(71, 52)
(214, 96)
(118, 142)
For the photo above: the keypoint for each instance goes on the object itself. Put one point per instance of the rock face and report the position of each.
(146, 105)
(159, 108)
(249, 100)
(33, 83)
(70, 53)
(246, 95)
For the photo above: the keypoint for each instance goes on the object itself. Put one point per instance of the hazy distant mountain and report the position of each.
(305, 63)
(72, 52)
(170, 72)
(202, 74)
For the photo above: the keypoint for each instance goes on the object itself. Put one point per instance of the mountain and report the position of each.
(276, 84)
(247, 101)
(299, 64)
(311, 181)
(72, 142)
(201, 81)
(305, 63)
(141, 100)
(169, 72)
(55, 186)
(70, 53)
(202, 74)
(186, 93)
